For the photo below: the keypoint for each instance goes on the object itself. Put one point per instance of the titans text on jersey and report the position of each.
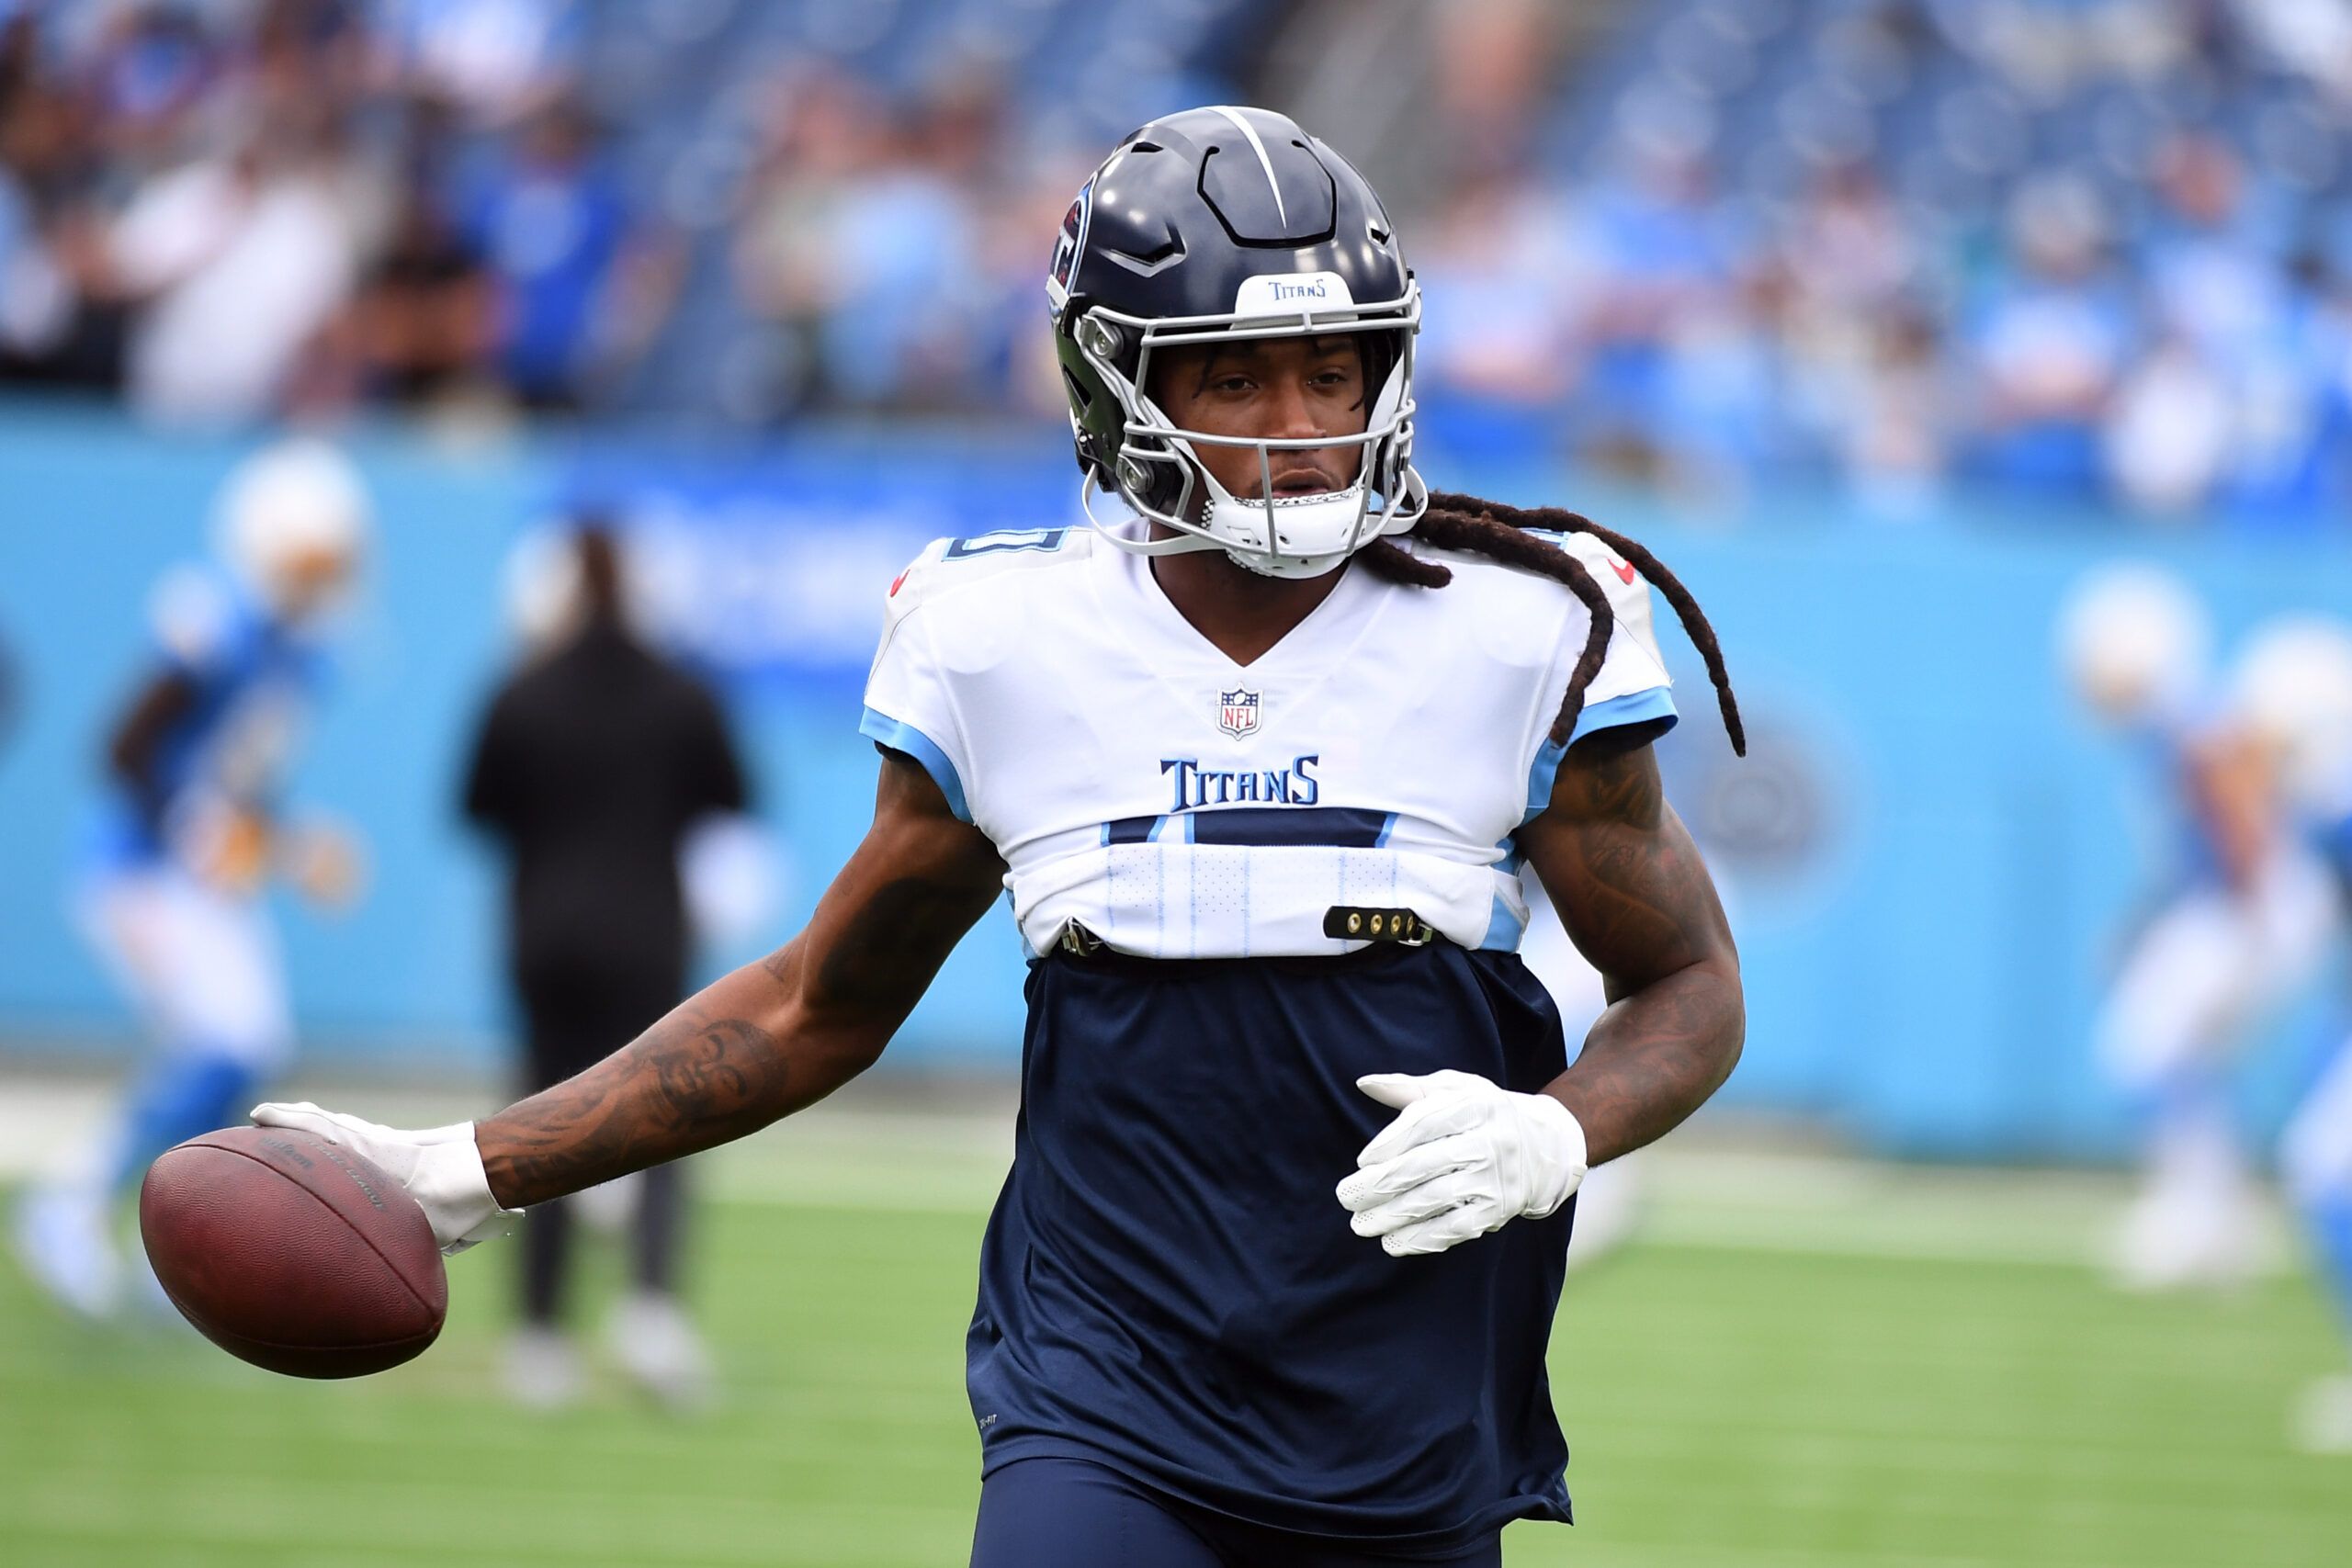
(1140, 785)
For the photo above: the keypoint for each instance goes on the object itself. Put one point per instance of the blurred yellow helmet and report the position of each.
(293, 523)
(2292, 688)
(2134, 640)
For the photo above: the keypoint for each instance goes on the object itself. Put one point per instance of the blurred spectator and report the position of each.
(1492, 59)
(2209, 278)
(1662, 247)
(272, 219)
(862, 243)
(2166, 439)
(552, 220)
(496, 60)
(2051, 342)
(51, 330)
(1892, 448)
(596, 761)
(825, 133)
(148, 79)
(425, 324)
(1515, 281)
(1845, 248)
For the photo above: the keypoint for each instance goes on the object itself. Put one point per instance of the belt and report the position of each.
(1344, 922)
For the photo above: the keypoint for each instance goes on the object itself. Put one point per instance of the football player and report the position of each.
(169, 889)
(2294, 697)
(1272, 1277)
(2239, 923)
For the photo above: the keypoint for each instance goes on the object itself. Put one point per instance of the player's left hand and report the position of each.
(1463, 1156)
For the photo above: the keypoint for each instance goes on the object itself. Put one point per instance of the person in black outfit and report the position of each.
(592, 763)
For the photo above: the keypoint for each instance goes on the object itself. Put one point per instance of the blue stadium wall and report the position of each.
(1929, 859)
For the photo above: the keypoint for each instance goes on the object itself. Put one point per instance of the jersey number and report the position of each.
(1003, 543)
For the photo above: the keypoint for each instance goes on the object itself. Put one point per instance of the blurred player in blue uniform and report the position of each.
(190, 833)
(1257, 761)
(2293, 698)
(2239, 923)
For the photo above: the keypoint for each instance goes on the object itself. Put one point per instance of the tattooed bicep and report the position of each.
(1620, 869)
(1601, 780)
(921, 878)
(890, 940)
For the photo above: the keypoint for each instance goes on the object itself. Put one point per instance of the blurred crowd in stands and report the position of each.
(230, 210)
(2089, 250)
(2079, 250)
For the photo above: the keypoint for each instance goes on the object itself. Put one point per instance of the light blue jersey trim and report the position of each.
(1503, 928)
(1633, 708)
(900, 736)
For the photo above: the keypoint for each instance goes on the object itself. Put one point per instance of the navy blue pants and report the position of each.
(1068, 1513)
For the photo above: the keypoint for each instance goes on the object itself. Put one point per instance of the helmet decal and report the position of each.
(1071, 244)
(1288, 293)
(1251, 132)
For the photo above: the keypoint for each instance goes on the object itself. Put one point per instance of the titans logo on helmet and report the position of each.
(1071, 243)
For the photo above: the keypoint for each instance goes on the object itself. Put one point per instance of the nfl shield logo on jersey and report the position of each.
(1236, 713)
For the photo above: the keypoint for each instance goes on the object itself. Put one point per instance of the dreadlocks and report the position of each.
(1488, 528)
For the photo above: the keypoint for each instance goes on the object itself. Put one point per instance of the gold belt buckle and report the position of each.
(1357, 923)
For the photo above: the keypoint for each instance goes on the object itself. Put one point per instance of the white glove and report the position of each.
(1465, 1157)
(440, 1168)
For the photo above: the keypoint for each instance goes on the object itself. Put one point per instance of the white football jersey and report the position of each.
(1142, 786)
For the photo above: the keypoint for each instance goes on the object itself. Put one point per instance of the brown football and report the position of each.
(293, 1252)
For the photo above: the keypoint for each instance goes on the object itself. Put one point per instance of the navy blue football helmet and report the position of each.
(1206, 226)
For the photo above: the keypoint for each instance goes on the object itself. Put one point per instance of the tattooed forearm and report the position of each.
(773, 1036)
(1634, 893)
(1653, 1057)
(689, 1082)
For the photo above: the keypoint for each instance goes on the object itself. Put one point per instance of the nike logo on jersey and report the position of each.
(1624, 572)
(1193, 786)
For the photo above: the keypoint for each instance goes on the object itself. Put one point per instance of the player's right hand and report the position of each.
(228, 846)
(440, 1167)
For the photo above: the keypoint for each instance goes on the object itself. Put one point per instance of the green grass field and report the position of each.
(1893, 1375)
